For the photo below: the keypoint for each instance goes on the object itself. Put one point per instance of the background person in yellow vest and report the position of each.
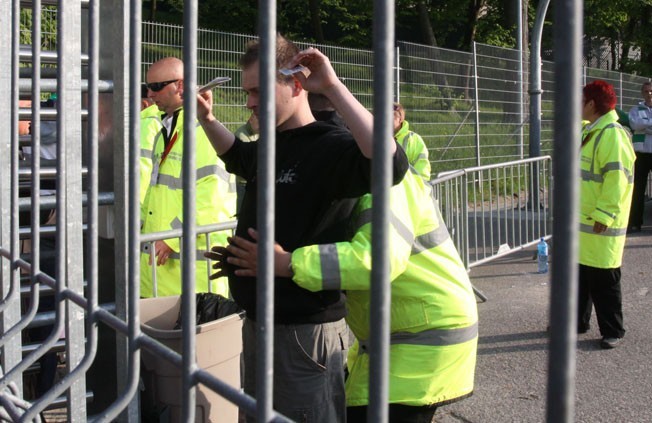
(607, 162)
(640, 120)
(433, 309)
(415, 149)
(150, 128)
(163, 205)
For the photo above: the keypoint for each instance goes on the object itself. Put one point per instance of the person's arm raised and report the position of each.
(221, 138)
(323, 80)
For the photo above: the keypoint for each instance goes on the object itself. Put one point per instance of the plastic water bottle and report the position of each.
(542, 256)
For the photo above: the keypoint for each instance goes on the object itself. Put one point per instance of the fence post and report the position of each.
(10, 310)
(567, 31)
(397, 61)
(520, 78)
(477, 106)
(620, 89)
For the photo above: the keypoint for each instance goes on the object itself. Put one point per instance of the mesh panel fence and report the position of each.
(436, 86)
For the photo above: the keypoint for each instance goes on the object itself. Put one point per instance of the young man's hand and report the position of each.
(321, 76)
(205, 106)
(244, 255)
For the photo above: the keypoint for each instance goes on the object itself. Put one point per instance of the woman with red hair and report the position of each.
(607, 162)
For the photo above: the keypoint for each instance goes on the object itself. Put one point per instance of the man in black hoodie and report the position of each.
(320, 171)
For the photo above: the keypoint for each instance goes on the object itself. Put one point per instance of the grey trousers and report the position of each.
(308, 370)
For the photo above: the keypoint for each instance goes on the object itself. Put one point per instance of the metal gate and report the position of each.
(96, 76)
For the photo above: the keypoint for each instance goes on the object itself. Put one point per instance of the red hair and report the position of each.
(602, 94)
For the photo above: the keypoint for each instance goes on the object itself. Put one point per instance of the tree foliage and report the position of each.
(626, 25)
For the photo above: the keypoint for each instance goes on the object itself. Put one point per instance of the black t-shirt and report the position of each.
(320, 173)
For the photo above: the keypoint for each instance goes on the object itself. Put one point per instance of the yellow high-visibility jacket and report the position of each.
(150, 129)
(163, 210)
(607, 176)
(434, 322)
(415, 150)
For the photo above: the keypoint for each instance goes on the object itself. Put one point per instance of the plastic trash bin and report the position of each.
(218, 347)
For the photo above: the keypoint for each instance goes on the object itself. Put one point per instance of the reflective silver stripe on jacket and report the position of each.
(430, 240)
(618, 166)
(609, 232)
(365, 217)
(330, 267)
(173, 182)
(145, 154)
(597, 141)
(429, 338)
(588, 176)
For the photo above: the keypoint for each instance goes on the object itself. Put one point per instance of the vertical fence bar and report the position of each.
(477, 105)
(266, 213)
(36, 151)
(92, 179)
(397, 96)
(383, 35)
(519, 47)
(116, 45)
(465, 219)
(69, 131)
(189, 239)
(10, 309)
(620, 89)
(567, 31)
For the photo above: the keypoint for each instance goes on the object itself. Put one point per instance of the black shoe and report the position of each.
(633, 229)
(609, 343)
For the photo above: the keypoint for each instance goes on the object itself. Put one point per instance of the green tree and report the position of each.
(624, 26)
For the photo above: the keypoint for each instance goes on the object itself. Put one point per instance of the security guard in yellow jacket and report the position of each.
(412, 143)
(434, 322)
(163, 204)
(150, 130)
(607, 162)
(433, 309)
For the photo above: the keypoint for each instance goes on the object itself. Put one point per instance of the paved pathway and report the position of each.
(611, 385)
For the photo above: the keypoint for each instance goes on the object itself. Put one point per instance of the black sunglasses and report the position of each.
(158, 86)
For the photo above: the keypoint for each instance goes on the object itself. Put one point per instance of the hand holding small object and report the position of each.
(214, 83)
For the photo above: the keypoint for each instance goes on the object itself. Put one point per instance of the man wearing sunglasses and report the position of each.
(162, 207)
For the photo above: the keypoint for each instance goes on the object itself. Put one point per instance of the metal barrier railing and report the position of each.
(494, 210)
(151, 238)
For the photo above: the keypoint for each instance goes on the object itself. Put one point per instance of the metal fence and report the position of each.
(437, 87)
(463, 105)
(494, 210)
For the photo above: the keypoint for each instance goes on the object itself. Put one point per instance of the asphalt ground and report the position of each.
(511, 372)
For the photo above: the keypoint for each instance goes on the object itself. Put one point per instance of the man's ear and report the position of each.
(297, 88)
(180, 87)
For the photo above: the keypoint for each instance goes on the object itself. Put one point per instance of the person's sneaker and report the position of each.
(609, 343)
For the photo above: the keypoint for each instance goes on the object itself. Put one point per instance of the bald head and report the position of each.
(166, 68)
(168, 97)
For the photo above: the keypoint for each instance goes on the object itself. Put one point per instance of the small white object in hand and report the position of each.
(288, 72)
